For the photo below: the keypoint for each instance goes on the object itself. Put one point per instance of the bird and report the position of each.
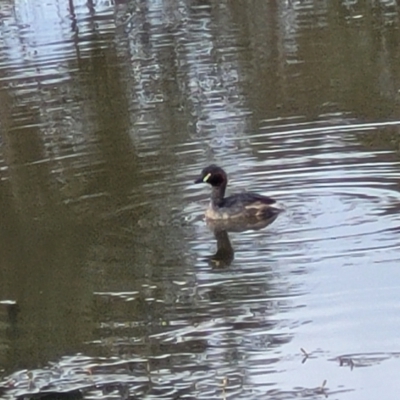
(241, 206)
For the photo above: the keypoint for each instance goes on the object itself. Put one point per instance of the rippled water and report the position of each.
(111, 283)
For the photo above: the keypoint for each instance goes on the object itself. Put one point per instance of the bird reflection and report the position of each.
(225, 252)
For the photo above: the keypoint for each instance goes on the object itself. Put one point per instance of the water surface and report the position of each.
(111, 283)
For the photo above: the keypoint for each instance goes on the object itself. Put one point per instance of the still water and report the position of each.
(112, 285)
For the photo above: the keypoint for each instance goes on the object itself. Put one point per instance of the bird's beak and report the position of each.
(203, 179)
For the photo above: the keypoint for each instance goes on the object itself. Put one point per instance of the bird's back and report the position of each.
(245, 205)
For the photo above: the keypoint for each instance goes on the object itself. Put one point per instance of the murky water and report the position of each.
(112, 285)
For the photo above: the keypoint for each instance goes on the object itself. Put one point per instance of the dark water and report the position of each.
(111, 283)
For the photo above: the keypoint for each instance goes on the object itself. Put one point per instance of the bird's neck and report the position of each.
(217, 194)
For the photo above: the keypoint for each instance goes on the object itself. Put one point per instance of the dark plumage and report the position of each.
(245, 205)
